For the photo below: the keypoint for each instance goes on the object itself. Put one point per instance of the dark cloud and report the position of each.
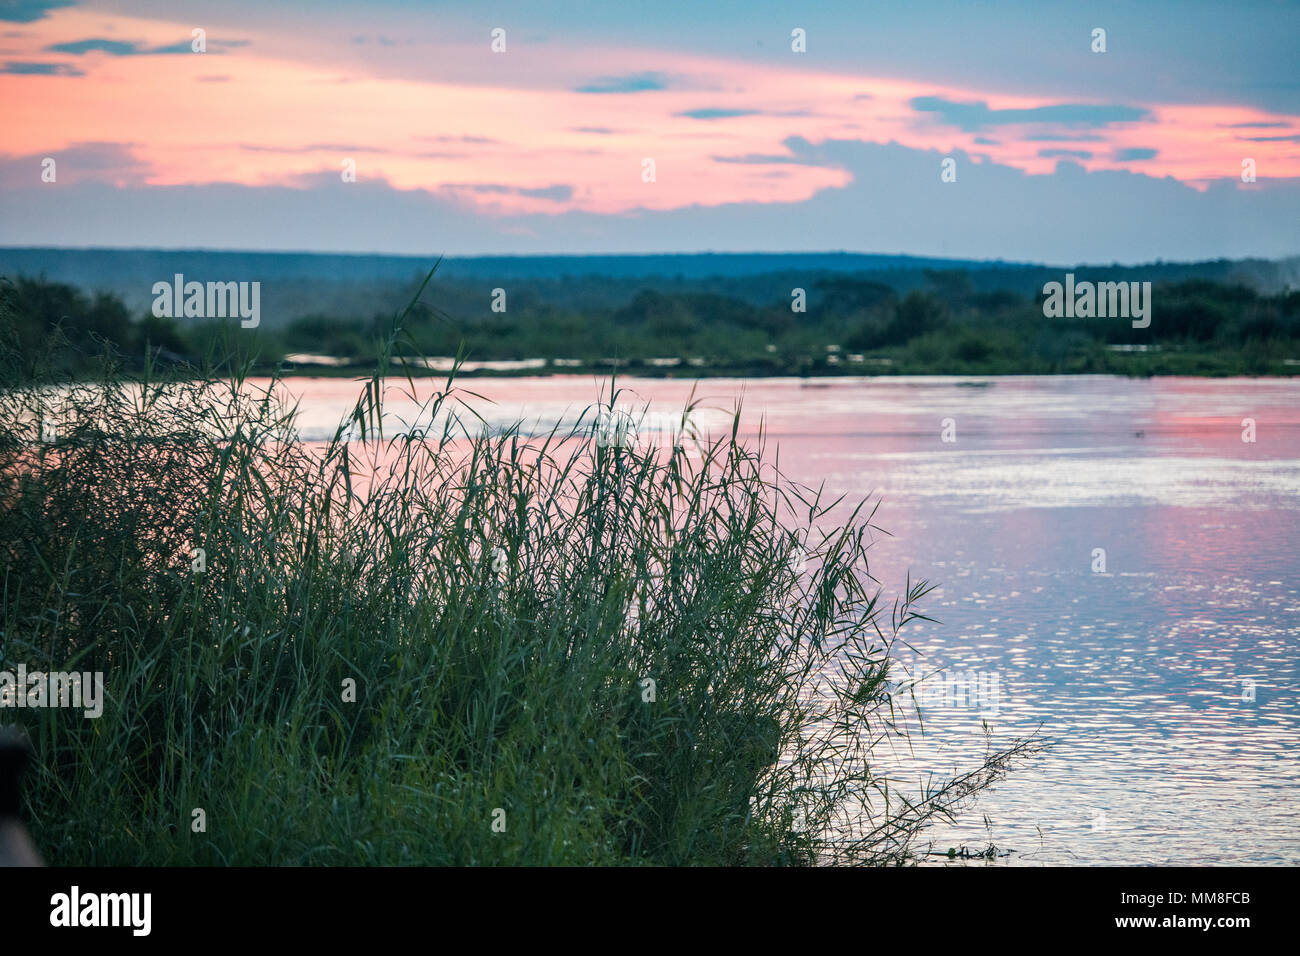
(184, 46)
(96, 44)
(631, 83)
(114, 163)
(29, 11)
(712, 114)
(1057, 153)
(127, 48)
(23, 68)
(557, 193)
(802, 153)
(977, 115)
(1135, 153)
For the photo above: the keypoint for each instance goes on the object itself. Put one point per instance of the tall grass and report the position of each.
(564, 650)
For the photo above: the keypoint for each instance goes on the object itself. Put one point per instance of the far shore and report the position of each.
(1125, 363)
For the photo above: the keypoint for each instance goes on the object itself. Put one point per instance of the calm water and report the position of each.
(1168, 682)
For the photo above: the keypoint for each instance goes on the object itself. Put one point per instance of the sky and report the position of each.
(965, 129)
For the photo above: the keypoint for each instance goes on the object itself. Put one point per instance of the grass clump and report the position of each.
(439, 644)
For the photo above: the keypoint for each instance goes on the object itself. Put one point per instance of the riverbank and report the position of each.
(847, 326)
(1127, 363)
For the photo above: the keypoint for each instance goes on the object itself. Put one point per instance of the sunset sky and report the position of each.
(1061, 154)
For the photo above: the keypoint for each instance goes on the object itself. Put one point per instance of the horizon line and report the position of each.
(636, 255)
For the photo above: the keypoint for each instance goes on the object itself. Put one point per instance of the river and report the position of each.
(1164, 671)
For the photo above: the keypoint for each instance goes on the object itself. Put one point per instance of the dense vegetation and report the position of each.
(444, 646)
(945, 322)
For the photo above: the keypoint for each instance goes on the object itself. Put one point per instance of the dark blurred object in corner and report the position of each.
(16, 847)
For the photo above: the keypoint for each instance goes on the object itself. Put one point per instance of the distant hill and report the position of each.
(91, 266)
(296, 284)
